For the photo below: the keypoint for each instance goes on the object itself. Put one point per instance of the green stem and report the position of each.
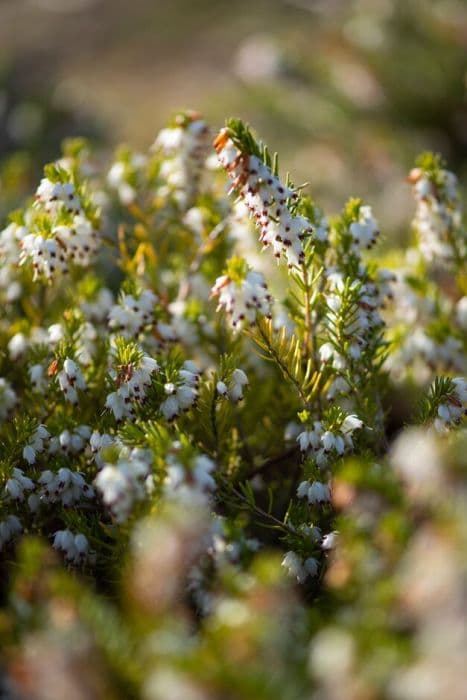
(283, 367)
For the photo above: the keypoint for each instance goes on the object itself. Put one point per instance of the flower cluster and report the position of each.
(9, 527)
(18, 484)
(126, 175)
(243, 298)
(70, 442)
(182, 392)
(10, 242)
(315, 492)
(353, 312)
(70, 379)
(453, 406)
(36, 443)
(192, 483)
(320, 443)
(420, 346)
(125, 481)
(438, 218)
(53, 196)
(105, 421)
(365, 230)
(132, 313)
(299, 568)
(266, 197)
(132, 380)
(184, 148)
(64, 486)
(62, 227)
(74, 547)
(233, 387)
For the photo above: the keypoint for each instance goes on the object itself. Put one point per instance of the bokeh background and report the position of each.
(348, 91)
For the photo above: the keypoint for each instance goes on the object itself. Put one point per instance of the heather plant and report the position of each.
(197, 372)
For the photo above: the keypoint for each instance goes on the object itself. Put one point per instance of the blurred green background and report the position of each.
(348, 91)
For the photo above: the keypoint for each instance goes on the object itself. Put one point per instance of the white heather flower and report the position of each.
(36, 444)
(132, 384)
(202, 468)
(49, 256)
(180, 398)
(365, 231)
(189, 484)
(311, 531)
(298, 568)
(33, 502)
(291, 431)
(302, 490)
(71, 442)
(181, 394)
(123, 483)
(315, 492)
(328, 353)
(79, 241)
(74, 547)
(38, 378)
(17, 346)
(222, 389)
(234, 388)
(330, 540)
(124, 173)
(52, 195)
(10, 241)
(238, 383)
(65, 486)
(68, 237)
(130, 316)
(266, 198)
(451, 410)
(332, 441)
(18, 484)
(98, 309)
(320, 443)
(9, 527)
(29, 454)
(310, 439)
(99, 442)
(8, 398)
(321, 231)
(56, 333)
(438, 217)
(318, 493)
(70, 379)
(184, 147)
(190, 373)
(243, 299)
(351, 423)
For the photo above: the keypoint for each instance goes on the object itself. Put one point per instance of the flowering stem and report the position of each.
(257, 509)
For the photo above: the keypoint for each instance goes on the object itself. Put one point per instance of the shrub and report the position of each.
(175, 454)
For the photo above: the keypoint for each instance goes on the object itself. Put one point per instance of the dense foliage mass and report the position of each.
(205, 435)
